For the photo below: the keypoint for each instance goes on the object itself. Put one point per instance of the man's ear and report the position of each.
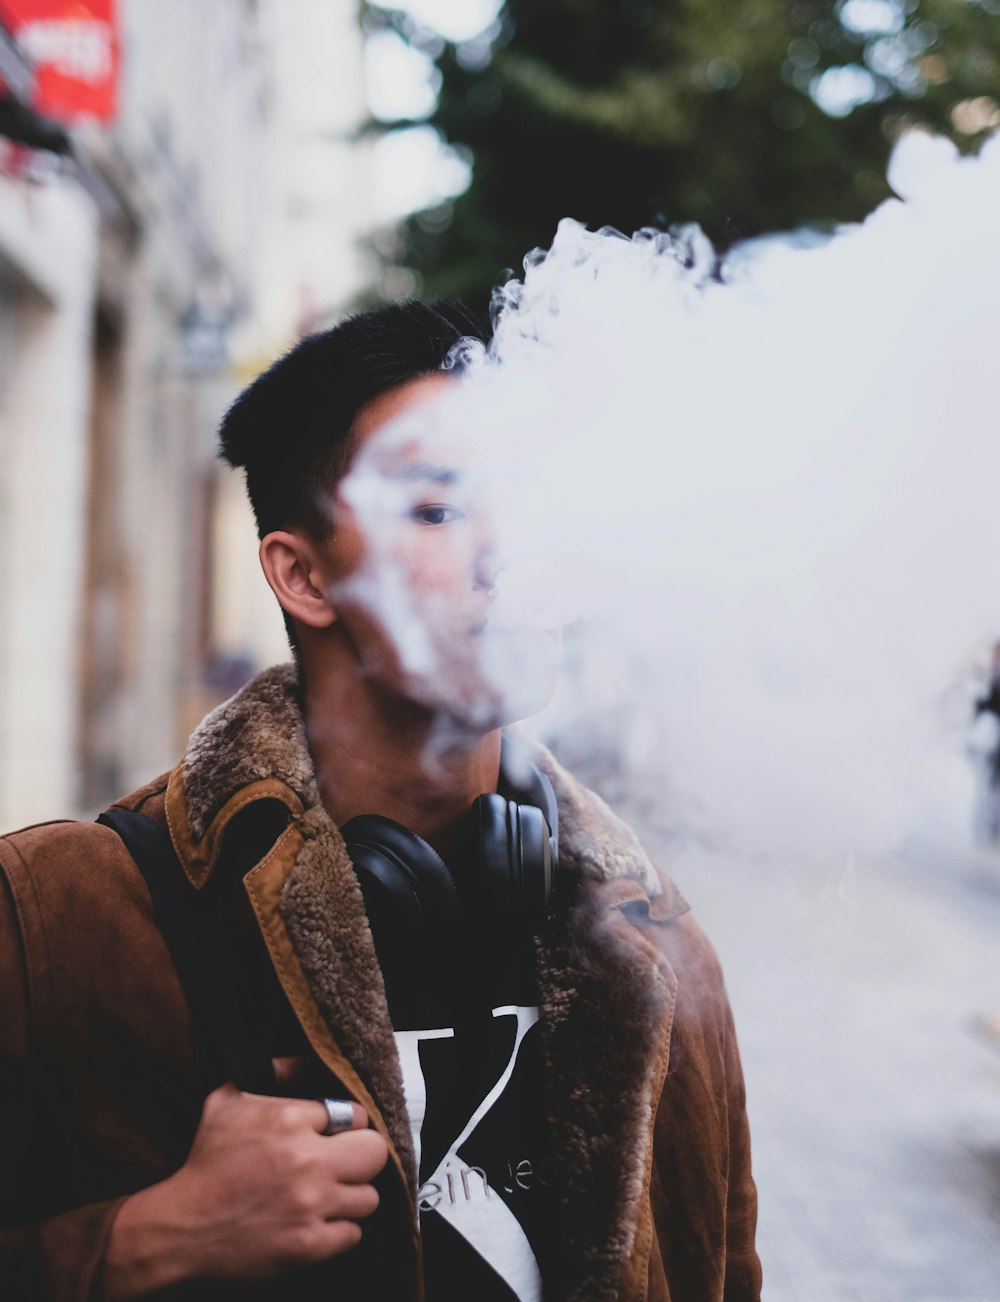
(290, 567)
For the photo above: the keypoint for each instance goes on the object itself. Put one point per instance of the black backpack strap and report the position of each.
(201, 950)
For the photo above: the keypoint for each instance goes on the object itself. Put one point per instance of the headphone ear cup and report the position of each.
(491, 876)
(536, 863)
(512, 848)
(411, 901)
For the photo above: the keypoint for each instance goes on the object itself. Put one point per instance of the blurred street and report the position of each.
(874, 1096)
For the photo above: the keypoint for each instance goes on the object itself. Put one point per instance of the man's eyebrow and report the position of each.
(421, 471)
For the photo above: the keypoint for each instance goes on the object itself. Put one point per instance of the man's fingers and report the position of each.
(220, 1099)
(353, 1202)
(335, 1237)
(286, 1070)
(341, 1114)
(356, 1157)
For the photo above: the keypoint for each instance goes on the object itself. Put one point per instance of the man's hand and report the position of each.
(262, 1190)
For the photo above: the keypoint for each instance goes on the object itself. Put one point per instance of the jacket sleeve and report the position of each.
(703, 1197)
(43, 1257)
(743, 1270)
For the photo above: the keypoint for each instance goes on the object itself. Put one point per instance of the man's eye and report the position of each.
(437, 514)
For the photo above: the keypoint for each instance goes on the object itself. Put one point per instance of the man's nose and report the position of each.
(486, 562)
(485, 577)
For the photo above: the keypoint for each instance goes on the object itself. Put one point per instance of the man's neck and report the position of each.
(373, 756)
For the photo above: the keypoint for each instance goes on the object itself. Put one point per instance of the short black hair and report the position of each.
(291, 429)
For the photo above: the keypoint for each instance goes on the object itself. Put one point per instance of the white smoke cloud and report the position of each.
(768, 494)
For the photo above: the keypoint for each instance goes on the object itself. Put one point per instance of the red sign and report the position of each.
(74, 47)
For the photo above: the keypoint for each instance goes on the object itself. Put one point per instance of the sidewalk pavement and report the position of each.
(874, 1095)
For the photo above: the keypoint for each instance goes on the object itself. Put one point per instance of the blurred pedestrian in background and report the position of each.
(984, 746)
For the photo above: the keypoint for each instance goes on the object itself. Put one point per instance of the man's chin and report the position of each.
(525, 666)
(514, 677)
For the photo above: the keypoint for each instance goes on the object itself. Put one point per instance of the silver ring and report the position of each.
(339, 1115)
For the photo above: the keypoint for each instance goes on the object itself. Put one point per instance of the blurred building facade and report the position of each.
(148, 269)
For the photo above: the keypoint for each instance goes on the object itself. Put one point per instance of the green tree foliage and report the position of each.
(637, 112)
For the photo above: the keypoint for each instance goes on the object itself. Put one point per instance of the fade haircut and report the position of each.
(292, 429)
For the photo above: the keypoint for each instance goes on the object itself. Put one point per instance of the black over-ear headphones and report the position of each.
(425, 915)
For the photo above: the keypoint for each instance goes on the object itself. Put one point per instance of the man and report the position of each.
(536, 1062)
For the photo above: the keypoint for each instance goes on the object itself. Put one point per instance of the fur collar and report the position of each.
(260, 733)
(605, 991)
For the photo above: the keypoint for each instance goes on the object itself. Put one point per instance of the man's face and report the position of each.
(412, 565)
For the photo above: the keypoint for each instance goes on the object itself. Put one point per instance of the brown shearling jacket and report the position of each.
(102, 1080)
